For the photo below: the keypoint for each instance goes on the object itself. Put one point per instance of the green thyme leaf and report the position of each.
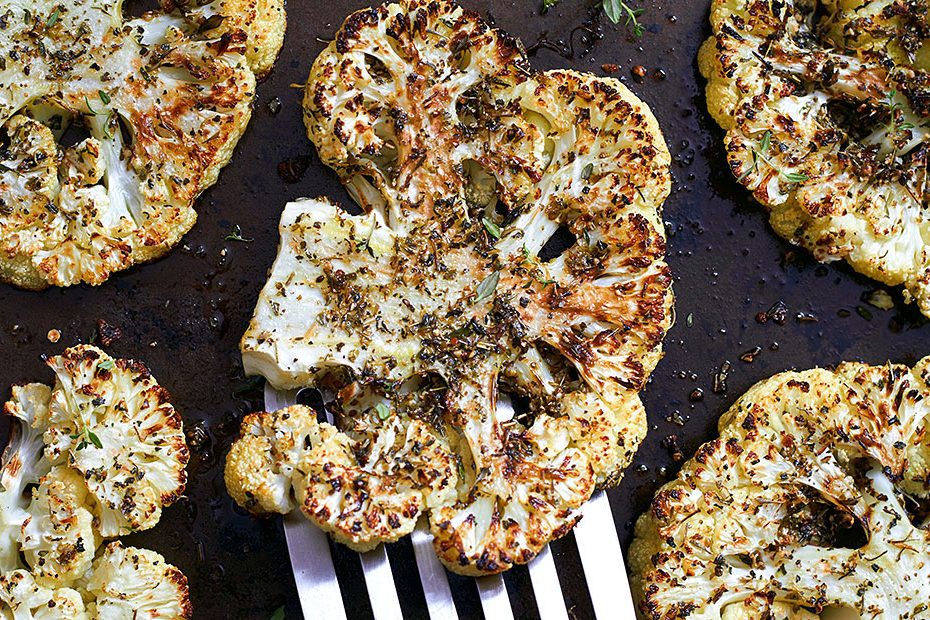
(105, 98)
(383, 412)
(236, 235)
(493, 229)
(94, 439)
(795, 177)
(278, 614)
(106, 365)
(487, 288)
(53, 18)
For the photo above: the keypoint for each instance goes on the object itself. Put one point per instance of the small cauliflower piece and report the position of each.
(363, 488)
(438, 126)
(111, 421)
(803, 506)
(825, 105)
(21, 598)
(58, 538)
(165, 97)
(127, 583)
(368, 492)
(262, 461)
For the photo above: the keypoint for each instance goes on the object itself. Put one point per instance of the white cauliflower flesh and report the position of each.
(164, 97)
(827, 107)
(58, 538)
(112, 422)
(23, 465)
(465, 164)
(127, 583)
(807, 505)
(21, 598)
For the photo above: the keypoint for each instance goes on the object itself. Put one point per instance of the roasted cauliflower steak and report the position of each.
(95, 456)
(474, 375)
(162, 98)
(826, 106)
(806, 504)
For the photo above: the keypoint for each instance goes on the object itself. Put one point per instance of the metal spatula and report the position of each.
(320, 595)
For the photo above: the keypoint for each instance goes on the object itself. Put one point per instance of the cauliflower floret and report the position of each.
(826, 106)
(800, 506)
(165, 97)
(21, 598)
(261, 463)
(58, 538)
(127, 583)
(368, 492)
(437, 125)
(111, 421)
(23, 465)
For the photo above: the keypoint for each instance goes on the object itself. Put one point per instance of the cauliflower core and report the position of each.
(826, 105)
(425, 316)
(164, 99)
(96, 456)
(807, 504)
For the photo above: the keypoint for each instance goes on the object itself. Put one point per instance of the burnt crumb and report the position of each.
(696, 395)
(670, 443)
(720, 379)
(610, 68)
(750, 356)
(777, 313)
(107, 334)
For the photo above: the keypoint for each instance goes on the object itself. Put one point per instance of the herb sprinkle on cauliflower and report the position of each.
(425, 317)
(96, 456)
(826, 107)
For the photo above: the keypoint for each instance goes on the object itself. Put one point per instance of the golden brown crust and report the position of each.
(164, 97)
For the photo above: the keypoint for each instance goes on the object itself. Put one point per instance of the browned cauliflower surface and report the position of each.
(826, 106)
(808, 505)
(96, 456)
(424, 318)
(164, 98)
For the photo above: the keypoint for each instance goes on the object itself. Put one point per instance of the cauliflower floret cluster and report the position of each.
(425, 317)
(826, 106)
(164, 98)
(810, 501)
(97, 455)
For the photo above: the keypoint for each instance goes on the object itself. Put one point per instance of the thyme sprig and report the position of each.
(236, 235)
(616, 10)
(759, 154)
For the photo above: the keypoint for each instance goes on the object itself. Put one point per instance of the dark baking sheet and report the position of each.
(184, 314)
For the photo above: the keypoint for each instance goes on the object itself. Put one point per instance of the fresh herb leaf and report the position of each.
(617, 10)
(105, 98)
(586, 172)
(94, 439)
(106, 365)
(493, 229)
(383, 412)
(278, 614)
(53, 18)
(90, 108)
(487, 287)
(759, 154)
(236, 235)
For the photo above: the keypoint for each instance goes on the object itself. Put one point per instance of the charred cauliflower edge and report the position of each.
(94, 457)
(473, 378)
(164, 98)
(808, 502)
(826, 107)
